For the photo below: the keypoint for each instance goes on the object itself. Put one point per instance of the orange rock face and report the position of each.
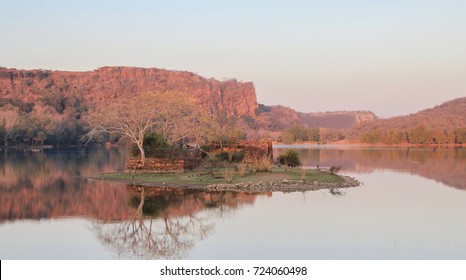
(230, 97)
(104, 84)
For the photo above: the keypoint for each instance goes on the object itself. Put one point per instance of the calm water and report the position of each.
(411, 206)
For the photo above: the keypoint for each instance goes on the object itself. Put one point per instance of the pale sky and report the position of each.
(391, 57)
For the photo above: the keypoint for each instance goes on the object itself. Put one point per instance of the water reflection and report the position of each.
(131, 221)
(47, 185)
(446, 165)
(143, 222)
(166, 223)
(150, 233)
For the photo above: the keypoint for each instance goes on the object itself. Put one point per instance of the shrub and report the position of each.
(303, 173)
(335, 169)
(228, 175)
(237, 157)
(230, 156)
(290, 158)
(242, 169)
(263, 165)
(222, 156)
(206, 148)
(154, 146)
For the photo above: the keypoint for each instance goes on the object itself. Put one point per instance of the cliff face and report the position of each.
(104, 84)
(28, 88)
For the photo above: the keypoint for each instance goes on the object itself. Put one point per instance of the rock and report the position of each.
(107, 83)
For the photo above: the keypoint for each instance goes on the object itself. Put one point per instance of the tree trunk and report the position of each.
(143, 155)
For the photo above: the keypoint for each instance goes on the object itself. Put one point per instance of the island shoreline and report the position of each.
(246, 186)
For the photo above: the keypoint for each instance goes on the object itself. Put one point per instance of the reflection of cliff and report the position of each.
(35, 186)
(99, 200)
(441, 164)
(38, 170)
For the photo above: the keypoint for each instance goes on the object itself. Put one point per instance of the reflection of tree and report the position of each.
(152, 233)
(223, 204)
(167, 222)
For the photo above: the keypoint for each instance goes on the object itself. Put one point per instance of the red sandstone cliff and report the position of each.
(106, 83)
(231, 97)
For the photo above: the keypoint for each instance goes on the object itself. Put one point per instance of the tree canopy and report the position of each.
(173, 115)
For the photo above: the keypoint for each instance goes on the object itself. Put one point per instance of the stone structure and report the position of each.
(161, 165)
(255, 150)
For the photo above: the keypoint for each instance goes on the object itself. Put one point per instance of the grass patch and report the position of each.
(198, 178)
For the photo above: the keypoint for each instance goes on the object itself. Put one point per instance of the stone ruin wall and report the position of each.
(162, 165)
(255, 150)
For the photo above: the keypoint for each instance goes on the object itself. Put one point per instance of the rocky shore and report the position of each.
(281, 186)
(252, 186)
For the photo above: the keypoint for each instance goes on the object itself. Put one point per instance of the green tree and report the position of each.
(154, 146)
(290, 158)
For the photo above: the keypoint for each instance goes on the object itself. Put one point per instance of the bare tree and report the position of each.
(171, 114)
(182, 118)
(223, 128)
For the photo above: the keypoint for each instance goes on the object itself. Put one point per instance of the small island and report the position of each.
(276, 180)
(239, 166)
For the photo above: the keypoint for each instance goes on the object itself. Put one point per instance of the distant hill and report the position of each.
(337, 119)
(451, 114)
(272, 120)
(281, 118)
(442, 124)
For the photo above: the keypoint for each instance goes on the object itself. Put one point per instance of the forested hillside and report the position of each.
(443, 124)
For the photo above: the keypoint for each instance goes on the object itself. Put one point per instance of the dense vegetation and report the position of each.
(417, 135)
(54, 120)
(299, 133)
(58, 120)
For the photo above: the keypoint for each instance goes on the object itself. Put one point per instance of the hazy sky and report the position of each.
(392, 57)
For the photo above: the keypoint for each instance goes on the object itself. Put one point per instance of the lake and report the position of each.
(411, 205)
